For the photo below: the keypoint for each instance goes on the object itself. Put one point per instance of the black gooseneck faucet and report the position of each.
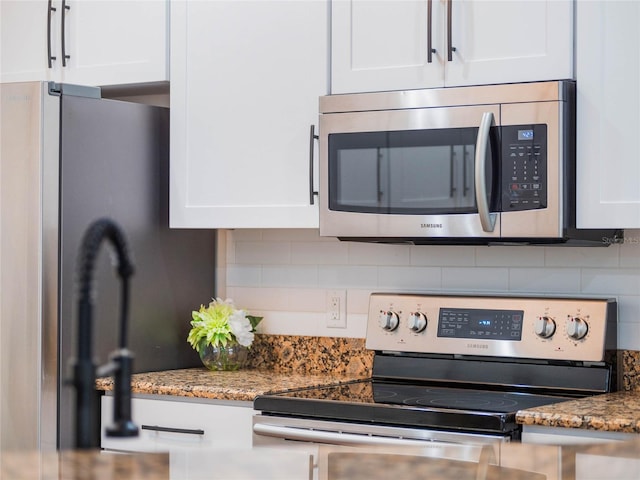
(120, 362)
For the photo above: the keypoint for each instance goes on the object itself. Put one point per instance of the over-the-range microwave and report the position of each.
(467, 165)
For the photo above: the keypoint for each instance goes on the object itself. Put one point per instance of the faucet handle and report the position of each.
(122, 426)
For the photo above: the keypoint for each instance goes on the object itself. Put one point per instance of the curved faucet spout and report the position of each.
(84, 370)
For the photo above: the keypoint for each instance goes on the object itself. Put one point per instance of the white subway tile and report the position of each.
(291, 323)
(475, 279)
(230, 245)
(630, 249)
(507, 256)
(611, 281)
(628, 336)
(241, 275)
(295, 235)
(245, 235)
(265, 253)
(290, 276)
(581, 256)
(358, 301)
(442, 256)
(319, 253)
(629, 310)
(356, 328)
(340, 276)
(414, 279)
(544, 280)
(378, 254)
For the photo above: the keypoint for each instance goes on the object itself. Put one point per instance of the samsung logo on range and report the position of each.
(477, 345)
(430, 225)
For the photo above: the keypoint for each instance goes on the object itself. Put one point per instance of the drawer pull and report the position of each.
(155, 428)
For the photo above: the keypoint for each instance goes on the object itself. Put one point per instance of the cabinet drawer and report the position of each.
(166, 424)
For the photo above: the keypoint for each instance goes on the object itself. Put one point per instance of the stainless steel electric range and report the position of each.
(453, 369)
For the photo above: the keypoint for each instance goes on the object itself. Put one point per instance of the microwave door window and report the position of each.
(423, 172)
(357, 180)
(432, 179)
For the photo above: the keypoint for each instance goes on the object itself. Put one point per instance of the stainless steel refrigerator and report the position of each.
(68, 157)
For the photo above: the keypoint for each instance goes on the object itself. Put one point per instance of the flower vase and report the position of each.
(231, 356)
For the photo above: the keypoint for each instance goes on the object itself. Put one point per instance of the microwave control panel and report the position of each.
(524, 167)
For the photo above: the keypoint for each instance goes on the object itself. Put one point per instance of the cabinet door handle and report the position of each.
(50, 8)
(312, 137)
(430, 49)
(155, 428)
(65, 57)
(450, 48)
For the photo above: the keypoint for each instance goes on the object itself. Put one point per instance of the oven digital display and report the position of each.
(480, 324)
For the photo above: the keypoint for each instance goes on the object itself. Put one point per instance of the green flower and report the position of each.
(221, 323)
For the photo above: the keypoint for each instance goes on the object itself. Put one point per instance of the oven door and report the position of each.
(274, 431)
(423, 172)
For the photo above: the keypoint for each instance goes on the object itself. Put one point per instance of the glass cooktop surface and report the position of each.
(407, 404)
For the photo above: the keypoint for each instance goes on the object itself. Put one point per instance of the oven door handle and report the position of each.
(331, 438)
(487, 219)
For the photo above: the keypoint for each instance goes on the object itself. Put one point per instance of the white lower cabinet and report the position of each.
(167, 423)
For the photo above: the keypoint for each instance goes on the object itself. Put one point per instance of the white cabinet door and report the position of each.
(384, 45)
(499, 41)
(93, 42)
(245, 82)
(116, 42)
(608, 114)
(171, 423)
(24, 40)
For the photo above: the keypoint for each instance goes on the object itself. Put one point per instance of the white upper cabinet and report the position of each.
(245, 82)
(608, 114)
(88, 42)
(382, 45)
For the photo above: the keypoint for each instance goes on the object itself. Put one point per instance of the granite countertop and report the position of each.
(277, 364)
(613, 412)
(241, 385)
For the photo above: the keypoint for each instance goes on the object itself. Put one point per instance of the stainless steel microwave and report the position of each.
(471, 165)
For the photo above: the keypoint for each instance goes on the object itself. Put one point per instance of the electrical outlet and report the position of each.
(336, 308)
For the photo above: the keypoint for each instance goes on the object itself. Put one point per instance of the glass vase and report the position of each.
(232, 356)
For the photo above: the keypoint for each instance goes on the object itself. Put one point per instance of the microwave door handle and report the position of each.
(487, 219)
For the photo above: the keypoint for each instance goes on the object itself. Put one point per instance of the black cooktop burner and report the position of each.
(456, 398)
(381, 402)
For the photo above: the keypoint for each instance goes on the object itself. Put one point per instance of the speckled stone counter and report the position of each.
(276, 364)
(242, 385)
(613, 412)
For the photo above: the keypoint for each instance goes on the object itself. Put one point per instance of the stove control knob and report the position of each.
(577, 328)
(545, 327)
(417, 322)
(388, 321)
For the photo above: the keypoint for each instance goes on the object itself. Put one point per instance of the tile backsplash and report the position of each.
(285, 276)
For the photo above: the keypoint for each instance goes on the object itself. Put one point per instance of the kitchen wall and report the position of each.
(285, 275)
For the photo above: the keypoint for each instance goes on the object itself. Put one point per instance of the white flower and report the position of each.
(241, 327)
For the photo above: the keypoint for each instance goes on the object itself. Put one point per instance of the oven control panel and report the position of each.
(551, 328)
